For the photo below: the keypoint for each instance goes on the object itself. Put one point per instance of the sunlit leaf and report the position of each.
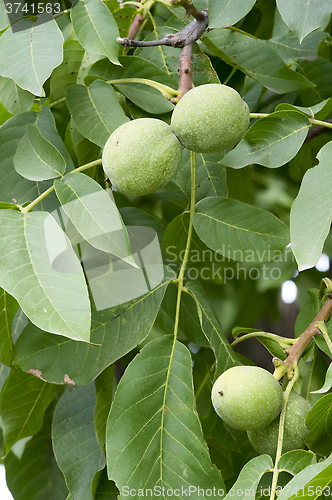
(13, 98)
(55, 301)
(304, 17)
(37, 159)
(26, 58)
(116, 331)
(96, 28)
(94, 214)
(311, 212)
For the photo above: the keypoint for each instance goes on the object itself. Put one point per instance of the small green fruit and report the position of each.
(141, 156)
(210, 118)
(295, 431)
(247, 397)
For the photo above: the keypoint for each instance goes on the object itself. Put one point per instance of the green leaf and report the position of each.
(319, 421)
(8, 310)
(37, 159)
(224, 13)
(116, 331)
(189, 322)
(106, 489)
(26, 58)
(224, 354)
(56, 302)
(48, 129)
(24, 399)
(311, 212)
(85, 150)
(295, 461)
(17, 189)
(65, 75)
(75, 445)
(229, 452)
(96, 28)
(239, 231)
(105, 387)
(289, 47)
(36, 474)
(328, 381)
(13, 98)
(210, 175)
(304, 17)
(94, 214)
(144, 96)
(319, 72)
(249, 477)
(318, 111)
(96, 110)
(174, 244)
(271, 141)
(256, 59)
(165, 444)
(308, 483)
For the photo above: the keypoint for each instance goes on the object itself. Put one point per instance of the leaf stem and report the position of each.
(180, 278)
(282, 341)
(319, 122)
(59, 101)
(35, 202)
(281, 432)
(165, 90)
(258, 115)
(311, 120)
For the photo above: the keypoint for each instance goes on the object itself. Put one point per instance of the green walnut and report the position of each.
(141, 156)
(247, 397)
(295, 431)
(210, 118)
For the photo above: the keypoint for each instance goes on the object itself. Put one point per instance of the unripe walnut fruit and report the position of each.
(247, 397)
(210, 118)
(295, 431)
(141, 156)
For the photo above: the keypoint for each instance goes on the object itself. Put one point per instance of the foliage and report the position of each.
(117, 311)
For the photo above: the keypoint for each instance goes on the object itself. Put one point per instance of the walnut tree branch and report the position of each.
(188, 35)
(186, 70)
(297, 349)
